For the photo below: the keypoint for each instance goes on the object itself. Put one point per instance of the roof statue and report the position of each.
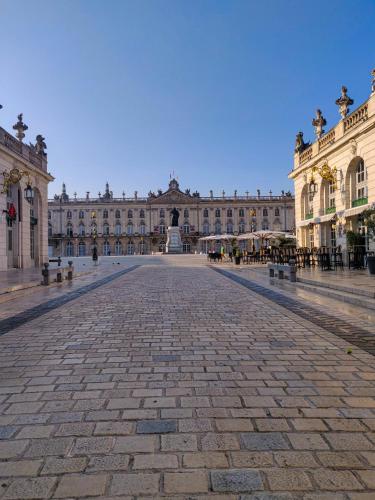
(300, 144)
(344, 101)
(318, 122)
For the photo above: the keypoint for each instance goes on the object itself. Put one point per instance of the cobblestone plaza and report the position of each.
(163, 377)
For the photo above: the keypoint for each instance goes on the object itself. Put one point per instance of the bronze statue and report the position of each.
(175, 215)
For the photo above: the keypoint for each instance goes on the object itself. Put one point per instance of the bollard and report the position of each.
(45, 274)
(293, 271)
(272, 273)
(59, 276)
(70, 270)
(281, 274)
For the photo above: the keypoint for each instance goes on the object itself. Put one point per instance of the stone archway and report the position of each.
(351, 180)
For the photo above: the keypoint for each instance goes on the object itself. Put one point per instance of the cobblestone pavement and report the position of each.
(176, 382)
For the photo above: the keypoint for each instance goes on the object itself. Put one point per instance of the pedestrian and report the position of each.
(95, 256)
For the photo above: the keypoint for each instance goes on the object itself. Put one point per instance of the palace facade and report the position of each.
(23, 200)
(334, 177)
(138, 225)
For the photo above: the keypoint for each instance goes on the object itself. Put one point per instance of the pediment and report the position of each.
(172, 196)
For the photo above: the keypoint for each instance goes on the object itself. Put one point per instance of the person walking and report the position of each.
(95, 256)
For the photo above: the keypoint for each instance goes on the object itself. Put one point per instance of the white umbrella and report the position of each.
(248, 236)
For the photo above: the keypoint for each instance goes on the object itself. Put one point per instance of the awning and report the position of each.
(324, 218)
(304, 223)
(356, 210)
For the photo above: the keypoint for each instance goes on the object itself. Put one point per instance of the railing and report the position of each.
(305, 155)
(355, 118)
(330, 210)
(327, 139)
(309, 216)
(359, 202)
(21, 149)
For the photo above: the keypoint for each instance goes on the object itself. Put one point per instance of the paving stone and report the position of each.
(134, 484)
(179, 442)
(20, 468)
(336, 480)
(55, 465)
(252, 459)
(108, 462)
(307, 441)
(288, 479)
(12, 449)
(30, 488)
(81, 486)
(113, 428)
(233, 425)
(7, 432)
(134, 444)
(155, 461)
(236, 480)
(156, 426)
(75, 429)
(348, 441)
(340, 459)
(207, 460)
(185, 482)
(263, 441)
(53, 446)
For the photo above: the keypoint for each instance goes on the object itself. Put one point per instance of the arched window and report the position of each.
(130, 214)
(186, 213)
(229, 212)
(206, 228)
(118, 214)
(217, 212)
(360, 172)
(241, 227)
(217, 227)
(186, 228)
(142, 227)
(49, 215)
(81, 229)
(81, 249)
(241, 212)
(49, 230)
(81, 214)
(142, 248)
(277, 212)
(106, 248)
(130, 248)
(161, 227)
(230, 227)
(69, 230)
(265, 212)
(69, 249)
(106, 229)
(129, 228)
(118, 248)
(142, 213)
(68, 214)
(162, 213)
(105, 214)
(205, 212)
(118, 229)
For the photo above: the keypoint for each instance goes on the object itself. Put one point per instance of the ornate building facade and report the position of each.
(125, 226)
(334, 177)
(23, 200)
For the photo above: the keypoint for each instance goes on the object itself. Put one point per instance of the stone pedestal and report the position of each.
(174, 243)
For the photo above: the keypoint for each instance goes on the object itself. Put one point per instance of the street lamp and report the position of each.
(29, 193)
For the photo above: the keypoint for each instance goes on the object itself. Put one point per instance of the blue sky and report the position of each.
(129, 91)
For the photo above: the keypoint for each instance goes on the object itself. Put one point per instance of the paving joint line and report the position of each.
(357, 336)
(8, 324)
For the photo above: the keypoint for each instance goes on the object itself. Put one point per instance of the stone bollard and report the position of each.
(59, 276)
(45, 274)
(293, 271)
(281, 274)
(272, 273)
(70, 270)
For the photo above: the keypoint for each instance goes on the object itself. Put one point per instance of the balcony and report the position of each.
(330, 210)
(309, 216)
(359, 202)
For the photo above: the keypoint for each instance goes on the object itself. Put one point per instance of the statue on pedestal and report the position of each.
(175, 215)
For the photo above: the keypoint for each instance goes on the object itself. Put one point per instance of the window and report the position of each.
(69, 249)
(68, 214)
(130, 248)
(361, 192)
(333, 236)
(142, 227)
(130, 214)
(217, 227)
(186, 228)
(206, 228)
(205, 212)
(241, 212)
(162, 246)
(331, 194)
(105, 214)
(265, 212)
(69, 230)
(360, 172)
(229, 212)
(162, 213)
(81, 229)
(142, 213)
(106, 248)
(241, 227)
(186, 247)
(162, 228)
(49, 215)
(142, 248)
(265, 225)
(49, 230)
(81, 249)
(118, 248)
(129, 229)
(118, 214)
(217, 212)
(277, 212)
(81, 214)
(106, 229)
(118, 230)
(230, 227)
(186, 213)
